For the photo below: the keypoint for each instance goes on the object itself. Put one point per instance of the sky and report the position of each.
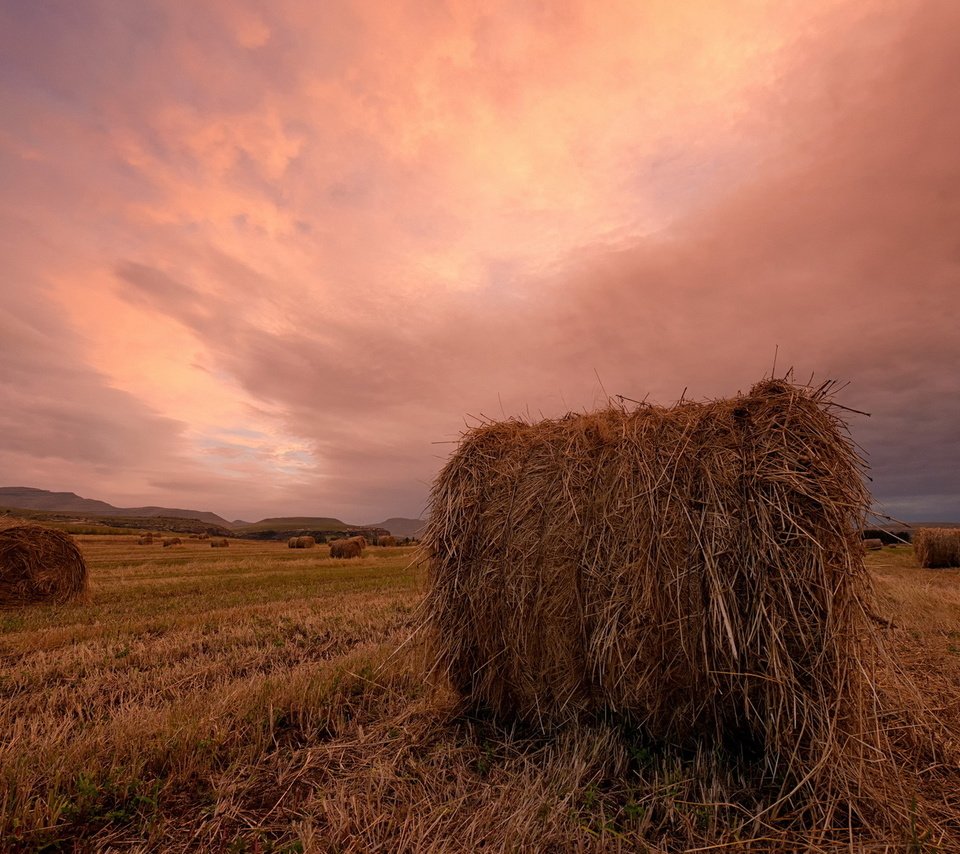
(273, 259)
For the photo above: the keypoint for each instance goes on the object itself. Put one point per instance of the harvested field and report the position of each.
(254, 699)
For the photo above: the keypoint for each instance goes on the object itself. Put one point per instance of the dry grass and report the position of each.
(937, 548)
(254, 700)
(40, 564)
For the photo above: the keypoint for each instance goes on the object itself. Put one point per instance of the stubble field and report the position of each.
(258, 698)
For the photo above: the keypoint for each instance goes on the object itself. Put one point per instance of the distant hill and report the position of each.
(294, 523)
(401, 527)
(28, 498)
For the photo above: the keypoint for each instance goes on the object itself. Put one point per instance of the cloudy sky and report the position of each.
(269, 259)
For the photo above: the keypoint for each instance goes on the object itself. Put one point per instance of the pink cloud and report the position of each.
(338, 230)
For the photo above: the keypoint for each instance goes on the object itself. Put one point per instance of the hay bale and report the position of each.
(871, 544)
(695, 570)
(937, 548)
(301, 542)
(219, 542)
(172, 541)
(40, 565)
(347, 548)
(145, 540)
(388, 540)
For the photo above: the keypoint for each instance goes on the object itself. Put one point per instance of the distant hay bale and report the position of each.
(872, 544)
(145, 540)
(172, 541)
(292, 543)
(694, 570)
(40, 565)
(301, 542)
(219, 542)
(388, 540)
(347, 548)
(937, 548)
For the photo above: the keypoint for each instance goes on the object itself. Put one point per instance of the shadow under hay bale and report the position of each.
(694, 571)
(40, 565)
(937, 548)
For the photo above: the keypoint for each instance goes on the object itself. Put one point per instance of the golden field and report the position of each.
(258, 698)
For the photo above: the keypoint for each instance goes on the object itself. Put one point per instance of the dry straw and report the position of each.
(40, 565)
(347, 548)
(694, 571)
(937, 548)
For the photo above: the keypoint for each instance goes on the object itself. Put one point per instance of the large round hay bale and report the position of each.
(219, 542)
(871, 544)
(172, 541)
(695, 570)
(388, 540)
(937, 548)
(40, 565)
(347, 548)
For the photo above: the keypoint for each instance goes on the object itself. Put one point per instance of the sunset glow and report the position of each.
(268, 259)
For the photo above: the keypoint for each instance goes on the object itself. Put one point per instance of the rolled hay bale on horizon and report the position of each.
(388, 540)
(301, 542)
(40, 564)
(937, 548)
(347, 548)
(145, 540)
(695, 572)
(172, 541)
(219, 542)
(871, 544)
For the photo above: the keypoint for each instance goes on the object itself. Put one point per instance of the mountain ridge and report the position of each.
(31, 498)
